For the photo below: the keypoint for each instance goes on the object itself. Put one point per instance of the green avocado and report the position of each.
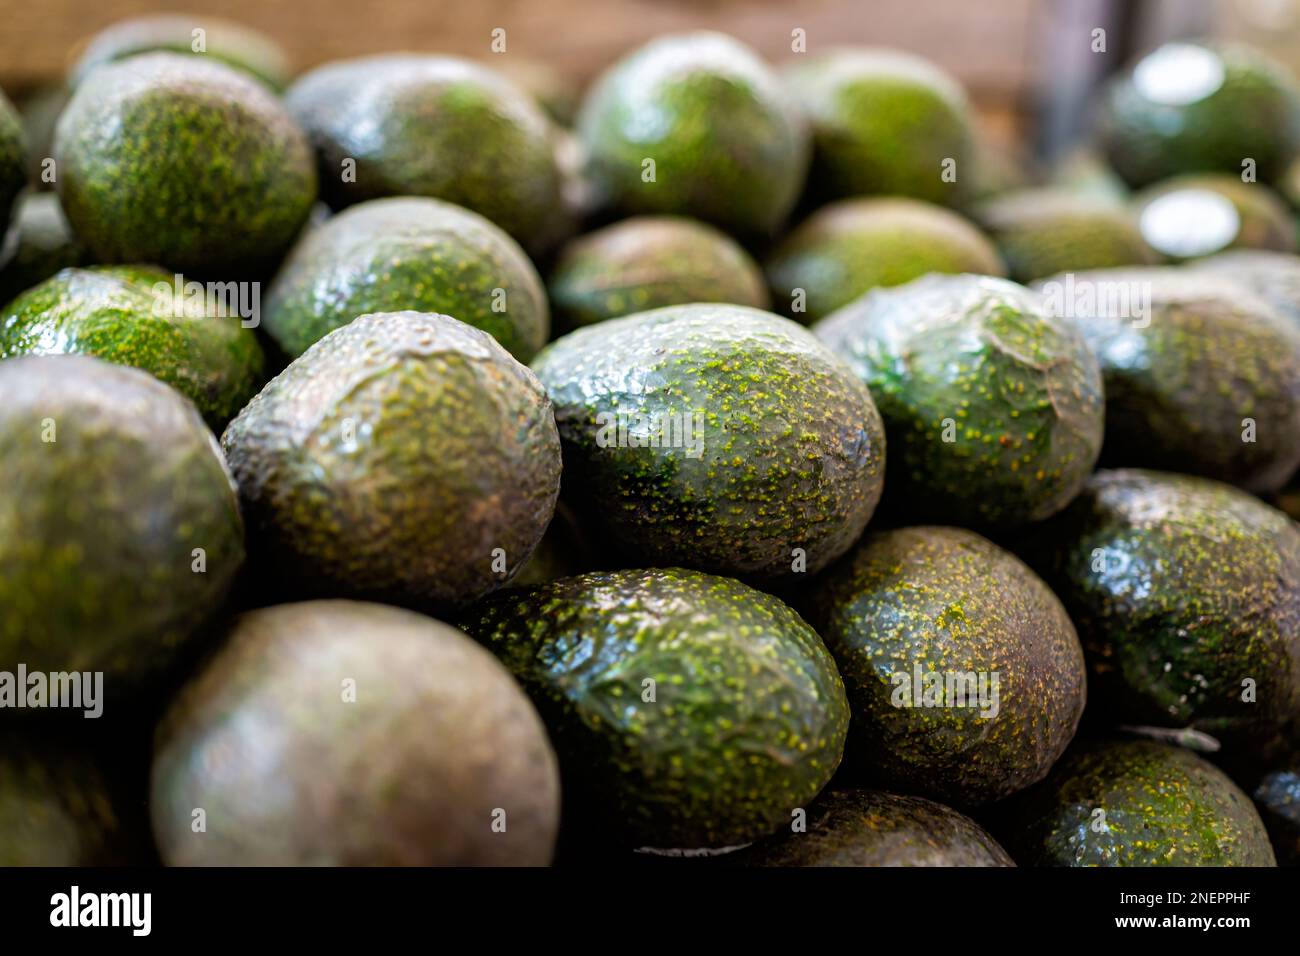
(884, 123)
(695, 124)
(1197, 107)
(436, 126)
(337, 733)
(1193, 216)
(847, 248)
(133, 315)
(992, 406)
(391, 255)
(648, 262)
(13, 163)
(872, 828)
(1277, 797)
(43, 244)
(964, 674)
(119, 528)
(405, 457)
(1273, 276)
(716, 436)
(183, 162)
(1136, 803)
(689, 711)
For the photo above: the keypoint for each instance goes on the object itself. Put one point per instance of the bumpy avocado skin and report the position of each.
(1186, 593)
(1277, 797)
(43, 244)
(433, 126)
(884, 123)
(434, 745)
(771, 455)
(874, 828)
(1272, 276)
(116, 313)
(392, 255)
(112, 482)
(744, 721)
(184, 162)
(13, 168)
(847, 248)
(992, 407)
(1162, 806)
(728, 146)
(650, 262)
(1263, 220)
(952, 602)
(405, 457)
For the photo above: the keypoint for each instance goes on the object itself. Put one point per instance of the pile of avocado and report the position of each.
(415, 462)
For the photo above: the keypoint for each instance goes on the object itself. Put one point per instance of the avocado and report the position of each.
(183, 162)
(338, 733)
(1193, 216)
(1192, 107)
(43, 244)
(964, 674)
(1043, 231)
(1277, 797)
(1273, 276)
(1186, 594)
(873, 828)
(13, 164)
(436, 126)
(718, 437)
(648, 262)
(1136, 803)
(992, 406)
(405, 457)
(847, 248)
(885, 122)
(133, 315)
(695, 124)
(1201, 377)
(232, 44)
(689, 711)
(119, 528)
(411, 253)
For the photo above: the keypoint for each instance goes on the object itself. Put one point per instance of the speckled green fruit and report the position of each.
(183, 162)
(717, 437)
(884, 123)
(1193, 216)
(437, 126)
(649, 262)
(13, 168)
(873, 828)
(1273, 276)
(1277, 797)
(337, 733)
(416, 254)
(688, 710)
(1041, 232)
(233, 44)
(964, 674)
(405, 457)
(43, 244)
(992, 407)
(1186, 593)
(119, 529)
(1136, 803)
(1191, 107)
(695, 124)
(1201, 377)
(848, 248)
(131, 315)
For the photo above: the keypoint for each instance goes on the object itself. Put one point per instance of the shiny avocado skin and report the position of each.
(1163, 805)
(400, 254)
(950, 601)
(748, 718)
(1273, 276)
(110, 312)
(1263, 219)
(981, 360)
(13, 165)
(792, 449)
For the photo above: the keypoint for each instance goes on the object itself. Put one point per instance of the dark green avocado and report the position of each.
(716, 436)
(183, 162)
(1192, 216)
(132, 315)
(43, 244)
(1135, 803)
(689, 711)
(964, 674)
(405, 457)
(392, 255)
(873, 828)
(1277, 797)
(13, 164)
(992, 405)
(1273, 276)
(337, 733)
